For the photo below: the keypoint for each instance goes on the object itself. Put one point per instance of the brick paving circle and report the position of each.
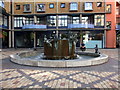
(18, 76)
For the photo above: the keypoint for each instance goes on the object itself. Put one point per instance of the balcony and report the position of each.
(34, 26)
(117, 27)
(80, 25)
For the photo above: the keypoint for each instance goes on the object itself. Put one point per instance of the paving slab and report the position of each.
(20, 76)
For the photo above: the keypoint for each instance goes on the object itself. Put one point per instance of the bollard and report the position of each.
(96, 48)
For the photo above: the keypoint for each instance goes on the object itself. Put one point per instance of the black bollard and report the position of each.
(83, 48)
(96, 48)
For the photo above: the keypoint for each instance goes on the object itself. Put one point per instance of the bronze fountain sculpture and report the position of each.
(58, 48)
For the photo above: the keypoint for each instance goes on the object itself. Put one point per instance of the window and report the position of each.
(2, 3)
(108, 24)
(75, 20)
(62, 5)
(41, 20)
(99, 20)
(27, 7)
(84, 20)
(29, 20)
(18, 21)
(17, 7)
(62, 21)
(88, 6)
(99, 4)
(51, 5)
(52, 21)
(117, 10)
(108, 8)
(40, 7)
(4, 20)
(73, 6)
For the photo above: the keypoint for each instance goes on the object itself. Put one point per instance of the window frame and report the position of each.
(75, 20)
(71, 6)
(29, 6)
(52, 21)
(62, 20)
(41, 20)
(28, 20)
(17, 7)
(39, 8)
(85, 8)
(108, 23)
(18, 22)
(102, 20)
(108, 11)
(62, 4)
(97, 4)
(51, 4)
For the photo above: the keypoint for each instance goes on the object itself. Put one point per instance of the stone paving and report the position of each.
(19, 76)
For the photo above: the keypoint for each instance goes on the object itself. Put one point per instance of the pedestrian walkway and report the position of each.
(19, 76)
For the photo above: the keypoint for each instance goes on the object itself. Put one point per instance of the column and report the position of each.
(13, 39)
(81, 33)
(34, 40)
(57, 25)
(35, 19)
(80, 18)
(10, 41)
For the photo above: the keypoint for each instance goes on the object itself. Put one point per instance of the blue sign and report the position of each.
(33, 26)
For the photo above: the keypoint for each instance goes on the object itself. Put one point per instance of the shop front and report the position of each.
(4, 39)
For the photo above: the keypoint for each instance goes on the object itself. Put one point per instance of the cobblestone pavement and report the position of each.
(19, 76)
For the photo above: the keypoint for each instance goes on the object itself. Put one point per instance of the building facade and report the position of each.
(4, 26)
(118, 23)
(90, 20)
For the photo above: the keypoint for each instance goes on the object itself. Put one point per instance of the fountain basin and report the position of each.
(85, 59)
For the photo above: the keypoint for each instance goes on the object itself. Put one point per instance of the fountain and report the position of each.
(59, 52)
(60, 48)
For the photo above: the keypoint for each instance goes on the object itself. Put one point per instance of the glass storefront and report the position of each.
(40, 37)
(4, 39)
(24, 39)
(89, 38)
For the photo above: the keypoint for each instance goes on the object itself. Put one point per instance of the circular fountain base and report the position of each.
(84, 59)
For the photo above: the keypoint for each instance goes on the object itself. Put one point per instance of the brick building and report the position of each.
(31, 20)
(118, 22)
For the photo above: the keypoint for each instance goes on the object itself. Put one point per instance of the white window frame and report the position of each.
(38, 9)
(73, 6)
(25, 8)
(88, 6)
